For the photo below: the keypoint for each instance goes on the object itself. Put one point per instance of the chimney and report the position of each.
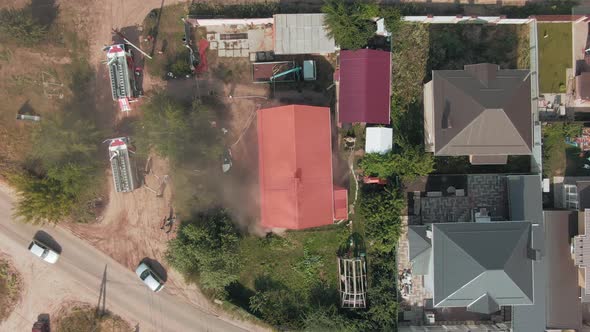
(534, 254)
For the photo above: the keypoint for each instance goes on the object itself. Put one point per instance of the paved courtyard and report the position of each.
(483, 191)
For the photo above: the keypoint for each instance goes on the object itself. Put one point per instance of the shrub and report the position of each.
(206, 248)
(19, 25)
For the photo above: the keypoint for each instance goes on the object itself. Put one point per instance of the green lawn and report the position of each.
(297, 267)
(555, 55)
(277, 256)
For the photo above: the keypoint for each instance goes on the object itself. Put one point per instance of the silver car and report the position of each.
(42, 251)
(149, 277)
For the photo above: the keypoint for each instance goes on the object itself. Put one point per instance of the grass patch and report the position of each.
(453, 46)
(10, 288)
(555, 55)
(83, 317)
(275, 255)
(285, 278)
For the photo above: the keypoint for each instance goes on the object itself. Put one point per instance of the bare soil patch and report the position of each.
(77, 316)
(11, 285)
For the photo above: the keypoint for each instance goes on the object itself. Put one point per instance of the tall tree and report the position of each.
(182, 133)
(19, 25)
(64, 179)
(207, 248)
(350, 24)
(407, 164)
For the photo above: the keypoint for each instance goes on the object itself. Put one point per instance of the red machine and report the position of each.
(374, 180)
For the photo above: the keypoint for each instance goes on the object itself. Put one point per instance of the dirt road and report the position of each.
(78, 275)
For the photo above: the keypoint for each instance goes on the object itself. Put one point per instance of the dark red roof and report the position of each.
(365, 85)
(295, 167)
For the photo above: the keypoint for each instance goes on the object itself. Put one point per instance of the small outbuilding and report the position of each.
(363, 83)
(378, 140)
(301, 34)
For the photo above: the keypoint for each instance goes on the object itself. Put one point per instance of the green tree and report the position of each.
(381, 207)
(63, 180)
(407, 164)
(40, 199)
(65, 138)
(186, 136)
(350, 23)
(19, 25)
(207, 248)
(382, 294)
(277, 304)
(392, 17)
(55, 195)
(180, 67)
(328, 320)
(183, 134)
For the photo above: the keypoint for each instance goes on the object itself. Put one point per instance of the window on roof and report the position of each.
(446, 116)
(571, 196)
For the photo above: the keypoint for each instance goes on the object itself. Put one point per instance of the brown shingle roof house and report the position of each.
(482, 111)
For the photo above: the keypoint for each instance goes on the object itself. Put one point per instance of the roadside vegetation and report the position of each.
(10, 288)
(206, 249)
(83, 317)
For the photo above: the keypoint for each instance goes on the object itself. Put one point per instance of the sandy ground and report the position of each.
(42, 292)
(85, 274)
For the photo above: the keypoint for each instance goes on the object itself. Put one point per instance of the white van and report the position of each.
(149, 278)
(42, 251)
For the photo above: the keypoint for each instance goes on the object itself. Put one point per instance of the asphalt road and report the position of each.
(78, 275)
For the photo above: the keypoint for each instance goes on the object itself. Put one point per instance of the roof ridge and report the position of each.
(451, 83)
(525, 233)
(487, 110)
(482, 268)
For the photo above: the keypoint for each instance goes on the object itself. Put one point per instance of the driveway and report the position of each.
(78, 276)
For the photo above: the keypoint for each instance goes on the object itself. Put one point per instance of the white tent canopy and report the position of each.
(378, 140)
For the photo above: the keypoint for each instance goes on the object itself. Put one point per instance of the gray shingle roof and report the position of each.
(301, 34)
(482, 110)
(420, 249)
(476, 259)
(526, 204)
(524, 197)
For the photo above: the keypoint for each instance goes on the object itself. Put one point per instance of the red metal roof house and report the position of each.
(295, 168)
(364, 86)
